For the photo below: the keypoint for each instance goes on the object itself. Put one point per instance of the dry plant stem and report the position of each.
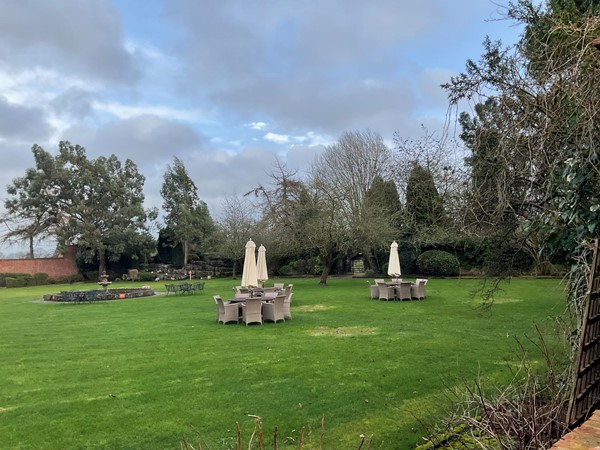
(526, 415)
(544, 348)
(239, 436)
(301, 443)
(322, 431)
(275, 439)
(251, 438)
(260, 432)
(362, 441)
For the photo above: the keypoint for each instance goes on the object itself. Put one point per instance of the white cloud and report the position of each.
(277, 138)
(124, 111)
(257, 125)
(310, 139)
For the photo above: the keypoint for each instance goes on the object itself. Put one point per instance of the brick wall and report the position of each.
(54, 267)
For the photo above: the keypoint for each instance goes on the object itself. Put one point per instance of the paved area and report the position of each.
(586, 437)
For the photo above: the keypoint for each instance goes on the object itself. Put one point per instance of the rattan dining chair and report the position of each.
(274, 311)
(226, 312)
(252, 311)
(386, 292)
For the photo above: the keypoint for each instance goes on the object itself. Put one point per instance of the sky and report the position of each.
(226, 86)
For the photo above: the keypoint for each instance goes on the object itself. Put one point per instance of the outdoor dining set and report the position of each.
(255, 305)
(397, 289)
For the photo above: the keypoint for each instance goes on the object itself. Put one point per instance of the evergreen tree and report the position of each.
(187, 218)
(97, 204)
(423, 202)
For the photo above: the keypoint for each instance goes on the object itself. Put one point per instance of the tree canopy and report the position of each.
(97, 204)
(534, 140)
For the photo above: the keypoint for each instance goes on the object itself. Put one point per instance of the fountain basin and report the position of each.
(93, 295)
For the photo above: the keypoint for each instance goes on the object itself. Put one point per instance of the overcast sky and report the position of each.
(226, 86)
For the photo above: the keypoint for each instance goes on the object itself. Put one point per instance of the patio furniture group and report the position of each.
(397, 289)
(255, 305)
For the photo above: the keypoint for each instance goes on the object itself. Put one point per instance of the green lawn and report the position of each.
(142, 373)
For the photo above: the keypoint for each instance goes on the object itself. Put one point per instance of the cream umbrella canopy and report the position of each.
(261, 264)
(394, 262)
(249, 271)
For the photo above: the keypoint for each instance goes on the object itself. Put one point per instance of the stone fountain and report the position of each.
(104, 283)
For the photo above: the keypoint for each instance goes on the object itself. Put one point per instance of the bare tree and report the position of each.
(301, 218)
(343, 176)
(442, 157)
(348, 168)
(235, 225)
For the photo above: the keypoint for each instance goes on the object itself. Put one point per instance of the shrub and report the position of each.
(40, 278)
(4, 276)
(76, 278)
(308, 266)
(69, 279)
(92, 275)
(438, 262)
(146, 276)
(15, 282)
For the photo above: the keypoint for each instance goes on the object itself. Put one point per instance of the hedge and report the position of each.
(438, 262)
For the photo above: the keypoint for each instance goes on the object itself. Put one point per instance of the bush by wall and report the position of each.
(438, 262)
(76, 278)
(4, 276)
(15, 282)
(38, 279)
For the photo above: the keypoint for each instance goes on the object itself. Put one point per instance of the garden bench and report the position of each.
(173, 288)
(184, 288)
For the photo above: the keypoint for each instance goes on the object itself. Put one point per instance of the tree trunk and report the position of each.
(373, 264)
(327, 262)
(233, 264)
(186, 249)
(101, 262)
(31, 247)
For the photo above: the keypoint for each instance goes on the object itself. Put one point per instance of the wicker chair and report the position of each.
(288, 290)
(374, 290)
(241, 292)
(403, 291)
(287, 306)
(278, 286)
(418, 288)
(226, 312)
(386, 292)
(252, 311)
(274, 311)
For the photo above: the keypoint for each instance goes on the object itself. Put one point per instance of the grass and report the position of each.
(142, 373)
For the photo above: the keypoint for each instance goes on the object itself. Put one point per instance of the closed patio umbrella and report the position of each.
(261, 264)
(394, 262)
(249, 271)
